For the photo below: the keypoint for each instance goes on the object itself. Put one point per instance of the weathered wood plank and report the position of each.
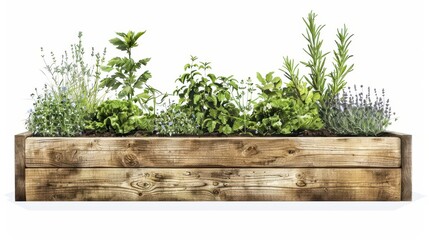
(214, 152)
(20, 166)
(140, 184)
(406, 165)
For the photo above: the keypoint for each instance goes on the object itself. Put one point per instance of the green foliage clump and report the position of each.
(175, 121)
(208, 97)
(73, 95)
(243, 99)
(318, 75)
(280, 112)
(357, 114)
(73, 77)
(55, 115)
(120, 117)
(125, 68)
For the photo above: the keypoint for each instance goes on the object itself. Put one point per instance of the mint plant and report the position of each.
(208, 97)
(279, 111)
(125, 68)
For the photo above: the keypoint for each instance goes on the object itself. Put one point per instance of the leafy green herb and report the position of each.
(208, 97)
(125, 68)
(120, 117)
(279, 111)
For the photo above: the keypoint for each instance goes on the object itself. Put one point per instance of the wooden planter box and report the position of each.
(223, 168)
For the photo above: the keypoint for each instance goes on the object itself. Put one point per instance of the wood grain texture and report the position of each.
(214, 152)
(406, 166)
(209, 184)
(20, 166)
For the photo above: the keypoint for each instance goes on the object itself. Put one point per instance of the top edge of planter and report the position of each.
(385, 135)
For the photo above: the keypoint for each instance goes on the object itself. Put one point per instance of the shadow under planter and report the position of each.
(213, 168)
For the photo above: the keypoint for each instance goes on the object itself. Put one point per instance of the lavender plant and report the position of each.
(68, 102)
(76, 78)
(358, 113)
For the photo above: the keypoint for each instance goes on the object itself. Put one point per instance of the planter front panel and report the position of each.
(224, 168)
(201, 184)
(214, 152)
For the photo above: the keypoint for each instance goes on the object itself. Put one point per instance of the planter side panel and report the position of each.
(214, 152)
(209, 184)
(20, 166)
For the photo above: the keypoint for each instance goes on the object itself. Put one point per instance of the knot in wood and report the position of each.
(250, 150)
(299, 176)
(59, 157)
(130, 160)
(291, 151)
(144, 184)
(301, 183)
(216, 192)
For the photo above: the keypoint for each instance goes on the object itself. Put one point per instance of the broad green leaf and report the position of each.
(197, 98)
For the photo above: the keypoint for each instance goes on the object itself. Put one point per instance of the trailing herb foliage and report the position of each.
(280, 112)
(355, 113)
(208, 97)
(120, 117)
(318, 75)
(55, 115)
(175, 121)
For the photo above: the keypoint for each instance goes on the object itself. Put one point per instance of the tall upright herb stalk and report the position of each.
(125, 74)
(317, 77)
(74, 77)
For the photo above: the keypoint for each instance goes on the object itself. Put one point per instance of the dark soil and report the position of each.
(306, 133)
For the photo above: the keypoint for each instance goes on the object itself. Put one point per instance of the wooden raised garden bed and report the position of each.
(221, 168)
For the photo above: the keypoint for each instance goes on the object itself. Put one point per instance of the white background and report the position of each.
(240, 38)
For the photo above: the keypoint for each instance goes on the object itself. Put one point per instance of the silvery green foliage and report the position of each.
(55, 115)
(358, 113)
(77, 75)
(174, 121)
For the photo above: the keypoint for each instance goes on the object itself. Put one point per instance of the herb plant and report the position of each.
(208, 97)
(175, 121)
(125, 69)
(120, 117)
(73, 95)
(355, 113)
(243, 99)
(318, 75)
(279, 111)
(55, 115)
(75, 78)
